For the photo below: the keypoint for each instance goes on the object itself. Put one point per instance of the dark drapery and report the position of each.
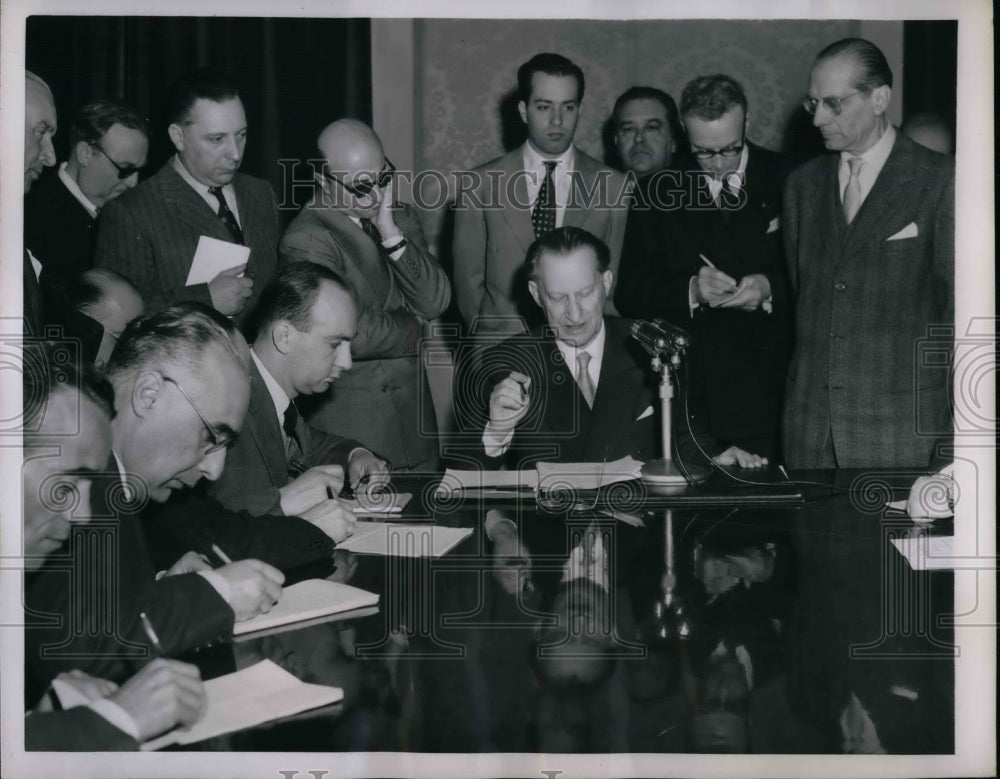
(294, 75)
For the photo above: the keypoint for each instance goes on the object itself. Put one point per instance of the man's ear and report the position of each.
(176, 136)
(145, 392)
(83, 151)
(281, 336)
(522, 109)
(880, 99)
(606, 278)
(533, 289)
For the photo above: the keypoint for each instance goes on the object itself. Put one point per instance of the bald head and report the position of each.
(39, 127)
(355, 165)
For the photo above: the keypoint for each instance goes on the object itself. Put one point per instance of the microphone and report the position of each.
(660, 338)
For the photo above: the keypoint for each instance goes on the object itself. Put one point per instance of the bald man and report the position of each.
(352, 227)
(39, 127)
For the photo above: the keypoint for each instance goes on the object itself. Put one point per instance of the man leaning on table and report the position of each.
(581, 389)
(304, 324)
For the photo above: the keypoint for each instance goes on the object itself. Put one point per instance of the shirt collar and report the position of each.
(876, 156)
(535, 161)
(735, 178)
(123, 475)
(595, 348)
(201, 189)
(75, 191)
(279, 397)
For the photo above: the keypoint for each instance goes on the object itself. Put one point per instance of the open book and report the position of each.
(306, 600)
(260, 693)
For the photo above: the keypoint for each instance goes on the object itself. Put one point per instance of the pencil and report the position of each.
(148, 627)
(707, 261)
(221, 555)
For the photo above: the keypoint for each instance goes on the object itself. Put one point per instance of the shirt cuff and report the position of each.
(116, 715)
(692, 300)
(496, 444)
(387, 242)
(219, 584)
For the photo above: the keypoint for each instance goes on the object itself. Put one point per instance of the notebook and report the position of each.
(307, 600)
(392, 540)
(260, 693)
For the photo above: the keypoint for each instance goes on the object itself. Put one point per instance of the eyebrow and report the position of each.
(226, 430)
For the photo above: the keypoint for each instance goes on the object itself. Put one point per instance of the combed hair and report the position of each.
(202, 84)
(551, 65)
(291, 295)
(647, 93)
(86, 290)
(709, 97)
(178, 335)
(95, 119)
(562, 241)
(875, 70)
(54, 366)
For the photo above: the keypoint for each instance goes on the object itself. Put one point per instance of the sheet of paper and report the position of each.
(306, 600)
(927, 553)
(249, 697)
(391, 540)
(587, 476)
(380, 503)
(214, 256)
(459, 481)
(69, 696)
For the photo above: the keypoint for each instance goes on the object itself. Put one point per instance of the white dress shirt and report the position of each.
(227, 191)
(534, 167)
(873, 161)
(76, 192)
(279, 397)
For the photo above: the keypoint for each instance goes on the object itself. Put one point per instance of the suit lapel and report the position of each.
(188, 205)
(581, 204)
(517, 212)
(610, 415)
(364, 256)
(892, 192)
(263, 425)
(566, 412)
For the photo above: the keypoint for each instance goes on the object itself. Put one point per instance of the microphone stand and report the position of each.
(663, 473)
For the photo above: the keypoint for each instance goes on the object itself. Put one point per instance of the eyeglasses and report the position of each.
(124, 171)
(835, 104)
(733, 150)
(218, 439)
(364, 188)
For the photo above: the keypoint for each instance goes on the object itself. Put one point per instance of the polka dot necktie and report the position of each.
(543, 215)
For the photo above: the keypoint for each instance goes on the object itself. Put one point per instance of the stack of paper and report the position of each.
(392, 540)
(502, 482)
(260, 693)
(586, 476)
(307, 600)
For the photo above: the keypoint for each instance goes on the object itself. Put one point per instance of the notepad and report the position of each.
(512, 482)
(927, 553)
(306, 600)
(214, 256)
(254, 695)
(379, 503)
(392, 540)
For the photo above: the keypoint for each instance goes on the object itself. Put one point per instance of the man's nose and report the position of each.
(48, 155)
(83, 511)
(344, 361)
(574, 311)
(132, 180)
(233, 150)
(557, 117)
(821, 115)
(212, 464)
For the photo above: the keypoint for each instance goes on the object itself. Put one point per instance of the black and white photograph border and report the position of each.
(974, 395)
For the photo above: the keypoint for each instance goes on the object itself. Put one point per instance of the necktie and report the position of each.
(543, 216)
(583, 377)
(289, 424)
(228, 217)
(852, 195)
(372, 232)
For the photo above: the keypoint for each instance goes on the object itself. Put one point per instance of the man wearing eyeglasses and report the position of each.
(711, 260)
(352, 226)
(108, 147)
(869, 233)
(154, 233)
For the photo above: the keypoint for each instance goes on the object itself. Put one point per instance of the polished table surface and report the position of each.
(771, 616)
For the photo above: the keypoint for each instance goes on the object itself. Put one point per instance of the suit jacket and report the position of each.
(493, 232)
(59, 232)
(559, 425)
(151, 233)
(384, 400)
(33, 321)
(864, 304)
(737, 359)
(79, 729)
(257, 466)
(83, 605)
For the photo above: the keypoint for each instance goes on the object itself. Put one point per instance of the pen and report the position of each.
(784, 472)
(148, 627)
(221, 555)
(707, 261)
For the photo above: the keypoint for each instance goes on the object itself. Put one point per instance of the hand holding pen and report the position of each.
(509, 402)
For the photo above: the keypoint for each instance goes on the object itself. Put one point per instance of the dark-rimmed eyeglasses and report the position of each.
(124, 171)
(364, 188)
(733, 150)
(835, 104)
(217, 439)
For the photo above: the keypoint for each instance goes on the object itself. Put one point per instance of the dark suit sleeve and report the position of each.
(469, 253)
(79, 729)
(193, 521)
(649, 283)
(790, 230)
(381, 334)
(421, 279)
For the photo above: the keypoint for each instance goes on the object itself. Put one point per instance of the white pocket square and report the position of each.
(648, 412)
(910, 231)
(774, 226)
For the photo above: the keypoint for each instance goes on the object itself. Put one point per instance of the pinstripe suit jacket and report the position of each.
(384, 401)
(493, 232)
(864, 306)
(151, 233)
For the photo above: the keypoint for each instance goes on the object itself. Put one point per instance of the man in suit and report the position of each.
(352, 227)
(512, 200)
(715, 266)
(151, 234)
(582, 391)
(869, 236)
(68, 412)
(108, 147)
(305, 323)
(646, 130)
(39, 127)
(99, 303)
